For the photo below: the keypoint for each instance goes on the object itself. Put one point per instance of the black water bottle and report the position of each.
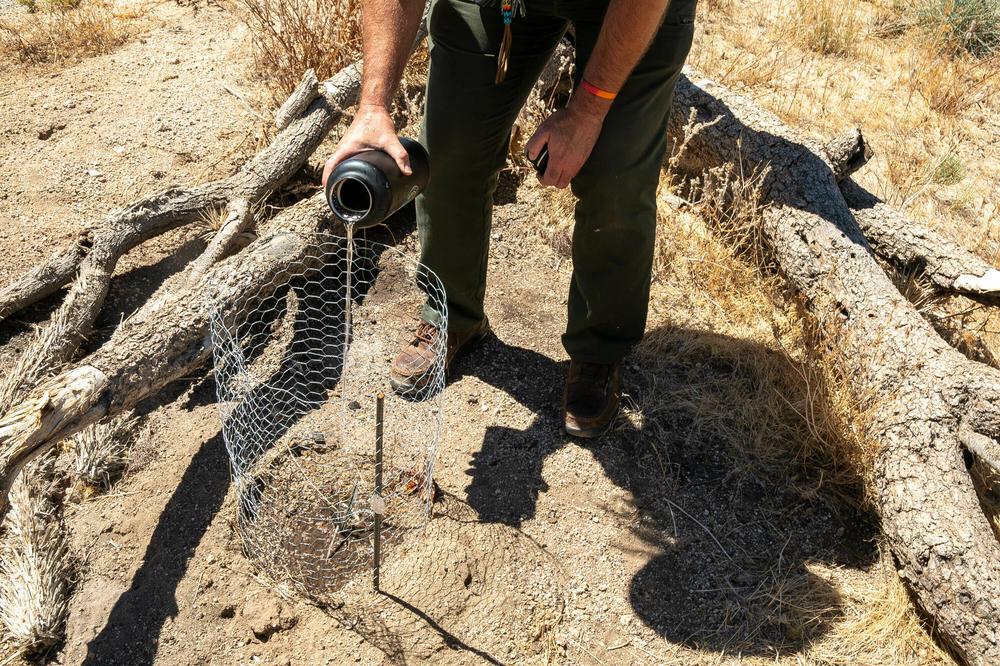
(368, 187)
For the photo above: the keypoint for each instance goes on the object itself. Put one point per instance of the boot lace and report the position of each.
(426, 332)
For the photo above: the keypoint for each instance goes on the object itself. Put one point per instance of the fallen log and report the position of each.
(46, 278)
(919, 399)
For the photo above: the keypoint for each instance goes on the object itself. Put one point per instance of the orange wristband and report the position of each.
(594, 90)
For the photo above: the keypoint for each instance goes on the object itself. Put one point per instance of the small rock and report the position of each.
(69, 104)
(94, 174)
(175, 61)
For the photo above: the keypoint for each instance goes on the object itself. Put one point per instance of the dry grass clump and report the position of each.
(829, 27)
(33, 364)
(35, 564)
(866, 617)
(290, 36)
(951, 85)
(62, 30)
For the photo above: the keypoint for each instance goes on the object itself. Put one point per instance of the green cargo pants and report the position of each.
(466, 130)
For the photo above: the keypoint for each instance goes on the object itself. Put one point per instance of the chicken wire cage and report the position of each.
(302, 372)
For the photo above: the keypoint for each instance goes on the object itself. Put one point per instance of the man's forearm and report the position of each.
(629, 27)
(389, 28)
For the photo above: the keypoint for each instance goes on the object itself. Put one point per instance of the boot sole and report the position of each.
(591, 433)
(594, 431)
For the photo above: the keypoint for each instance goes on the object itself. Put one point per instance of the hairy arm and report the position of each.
(388, 30)
(629, 27)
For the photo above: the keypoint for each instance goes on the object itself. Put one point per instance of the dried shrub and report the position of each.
(65, 29)
(102, 451)
(949, 170)
(951, 85)
(290, 36)
(864, 619)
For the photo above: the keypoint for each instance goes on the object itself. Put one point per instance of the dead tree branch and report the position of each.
(159, 213)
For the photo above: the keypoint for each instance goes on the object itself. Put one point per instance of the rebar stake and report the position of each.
(376, 562)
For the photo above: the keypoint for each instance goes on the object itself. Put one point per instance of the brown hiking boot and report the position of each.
(414, 366)
(591, 399)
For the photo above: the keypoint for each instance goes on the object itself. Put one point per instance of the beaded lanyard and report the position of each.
(507, 9)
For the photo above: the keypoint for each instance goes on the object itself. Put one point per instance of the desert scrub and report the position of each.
(962, 25)
(290, 36)
(949, 170)
(59, 30)
(952, 84)
(32, 5)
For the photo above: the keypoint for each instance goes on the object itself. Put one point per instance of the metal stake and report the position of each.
(376, 562)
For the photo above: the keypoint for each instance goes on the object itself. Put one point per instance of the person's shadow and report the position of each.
(733, 536)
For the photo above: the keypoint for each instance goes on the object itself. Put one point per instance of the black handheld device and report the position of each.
(541, 160)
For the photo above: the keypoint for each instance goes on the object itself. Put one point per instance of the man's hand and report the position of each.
(372, 129)
(570, 134)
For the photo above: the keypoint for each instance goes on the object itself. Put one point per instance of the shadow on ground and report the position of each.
(733, 537)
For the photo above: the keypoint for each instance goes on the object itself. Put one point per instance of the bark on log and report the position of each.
(916, 389)
(847, 153)
(302, 97)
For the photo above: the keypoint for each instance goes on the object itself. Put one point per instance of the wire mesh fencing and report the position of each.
(300, 364)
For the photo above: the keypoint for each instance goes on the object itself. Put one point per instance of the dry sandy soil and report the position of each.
(658, 544)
